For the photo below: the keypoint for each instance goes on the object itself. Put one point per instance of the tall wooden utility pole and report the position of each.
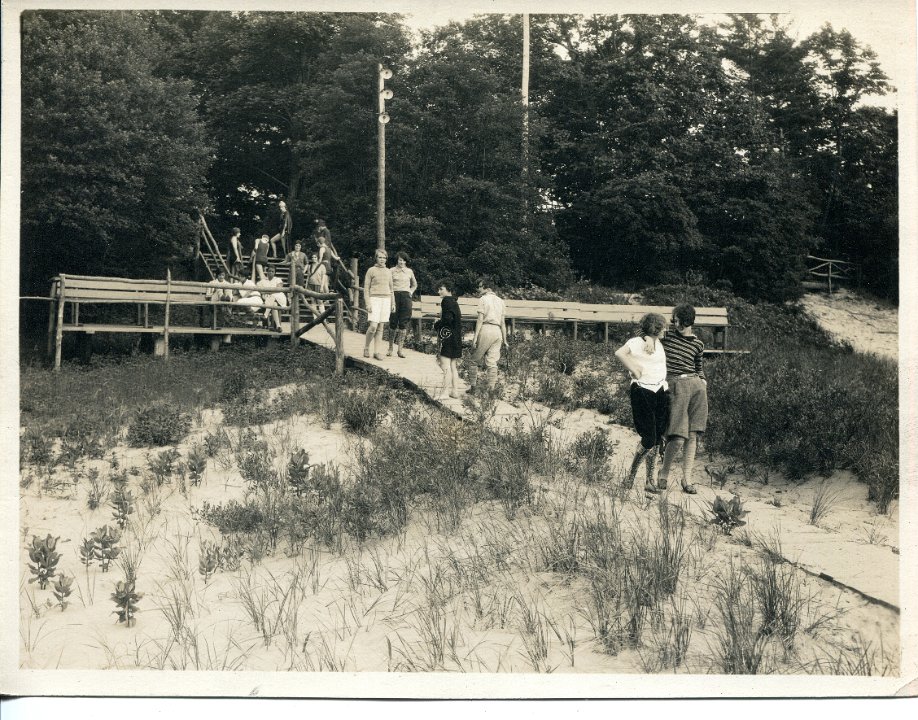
(525, 96)
(384, 74)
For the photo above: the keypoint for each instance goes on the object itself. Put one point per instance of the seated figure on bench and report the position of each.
(218, 295)
(272, 300)
(249, 297)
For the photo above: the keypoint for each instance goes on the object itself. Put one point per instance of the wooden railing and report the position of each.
(573, 314)
(77, 290)
(831, 271)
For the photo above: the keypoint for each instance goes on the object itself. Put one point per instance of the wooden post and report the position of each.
(605, 333)
(53, 294)
(146, 315)
(166, 321)
(830, 277)
(339, 337)
(355, 295)
(59, 329)
(294, 318)
(575, 329)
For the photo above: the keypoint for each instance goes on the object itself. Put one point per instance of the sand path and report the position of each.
(869, 327)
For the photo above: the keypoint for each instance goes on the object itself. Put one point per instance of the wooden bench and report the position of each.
(544, 312)
(78, 290)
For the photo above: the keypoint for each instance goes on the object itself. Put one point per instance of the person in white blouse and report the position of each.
(404, 285)
(645, 360)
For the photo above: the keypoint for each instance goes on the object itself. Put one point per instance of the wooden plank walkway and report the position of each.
(870, 571)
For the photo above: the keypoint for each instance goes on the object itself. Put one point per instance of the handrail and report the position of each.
(211, 245)
(837, 262)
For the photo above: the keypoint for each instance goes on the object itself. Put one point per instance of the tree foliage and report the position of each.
(661, 149)
(114, 157)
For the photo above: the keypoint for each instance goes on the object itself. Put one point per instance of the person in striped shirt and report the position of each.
(688, 408)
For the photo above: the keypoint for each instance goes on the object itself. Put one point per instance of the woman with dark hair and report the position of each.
(645, 359)
(449, 331)
(404, 283)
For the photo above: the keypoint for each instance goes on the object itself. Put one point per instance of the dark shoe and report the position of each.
(662, 483)
(651, 488)
(689, 489)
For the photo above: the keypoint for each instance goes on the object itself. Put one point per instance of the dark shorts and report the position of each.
(688, 409)
(650, 411)
(401, 313)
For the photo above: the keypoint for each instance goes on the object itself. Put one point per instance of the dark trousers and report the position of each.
(651, 414)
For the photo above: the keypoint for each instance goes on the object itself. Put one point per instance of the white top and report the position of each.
(272, 283)
(653, 365)
(249, 291)
(403, 280)
(491, 309)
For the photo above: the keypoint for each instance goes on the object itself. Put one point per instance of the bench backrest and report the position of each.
(548, 311)
(81, 288)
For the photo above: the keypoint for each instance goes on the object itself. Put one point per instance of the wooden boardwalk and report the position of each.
(869, 570)
(418, 369)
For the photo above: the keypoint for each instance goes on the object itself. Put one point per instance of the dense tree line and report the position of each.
(660, 148)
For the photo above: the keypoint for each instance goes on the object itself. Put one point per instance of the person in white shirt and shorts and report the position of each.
(379, 298)
(645, 359)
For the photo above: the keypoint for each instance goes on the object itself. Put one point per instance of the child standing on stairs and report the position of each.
(645, 359)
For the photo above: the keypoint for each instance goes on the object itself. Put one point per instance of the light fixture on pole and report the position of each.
(383, 117)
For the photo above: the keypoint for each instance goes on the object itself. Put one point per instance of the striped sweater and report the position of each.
(684, 354)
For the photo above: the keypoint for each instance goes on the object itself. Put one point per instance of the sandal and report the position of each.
(689, 489)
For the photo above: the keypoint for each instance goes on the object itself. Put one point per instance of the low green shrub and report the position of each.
(158, 425)
(361, 410)
(35, 447)
(246, 412)
(232, 517)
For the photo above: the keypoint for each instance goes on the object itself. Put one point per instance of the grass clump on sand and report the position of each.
(158, 425)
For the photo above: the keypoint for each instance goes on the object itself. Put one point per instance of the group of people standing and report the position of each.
(388, 296)
(669, 401)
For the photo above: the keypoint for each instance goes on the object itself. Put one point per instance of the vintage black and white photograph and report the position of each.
(538, 348)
